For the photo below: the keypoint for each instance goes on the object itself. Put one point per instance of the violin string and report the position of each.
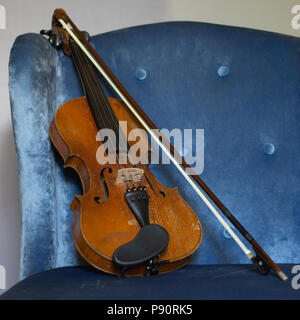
(108, 110)
(108, 107)
(93, 80)
(139, 177)
(78, 60)
(98, 114)
(79, 55)
(99, 92)
(126, 182)
(248, 252)
(132, 181)
(113, 117)
(102, 114)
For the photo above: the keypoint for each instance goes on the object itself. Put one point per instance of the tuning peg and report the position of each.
(46, 32)
(54, 38)
(86, 35)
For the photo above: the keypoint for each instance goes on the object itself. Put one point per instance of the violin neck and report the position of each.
(98, 103)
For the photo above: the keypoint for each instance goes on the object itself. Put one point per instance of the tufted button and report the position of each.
(141, 74)
(226, 234)
(269, 148)
(223, 71)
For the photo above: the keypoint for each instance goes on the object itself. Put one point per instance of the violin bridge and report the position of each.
(130, 174)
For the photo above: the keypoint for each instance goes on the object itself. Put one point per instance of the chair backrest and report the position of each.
(241, 86)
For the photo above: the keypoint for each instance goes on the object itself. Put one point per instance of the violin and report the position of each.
(126, 222)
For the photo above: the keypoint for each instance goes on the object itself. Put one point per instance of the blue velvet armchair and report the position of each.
(241, 86)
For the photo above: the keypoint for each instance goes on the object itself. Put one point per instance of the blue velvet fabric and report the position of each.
(240, 85)
(209, 282)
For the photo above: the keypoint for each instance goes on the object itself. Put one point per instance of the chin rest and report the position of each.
(151, 240)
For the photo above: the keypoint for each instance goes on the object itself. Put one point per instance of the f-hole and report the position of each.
(104, 187)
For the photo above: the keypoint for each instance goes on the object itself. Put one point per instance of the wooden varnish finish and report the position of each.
(102, 226)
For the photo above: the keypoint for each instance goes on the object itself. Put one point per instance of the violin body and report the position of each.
(103, 220)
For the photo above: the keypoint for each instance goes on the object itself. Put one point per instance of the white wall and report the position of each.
(99, 16)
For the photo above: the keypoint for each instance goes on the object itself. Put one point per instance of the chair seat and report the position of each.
(193, 282)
